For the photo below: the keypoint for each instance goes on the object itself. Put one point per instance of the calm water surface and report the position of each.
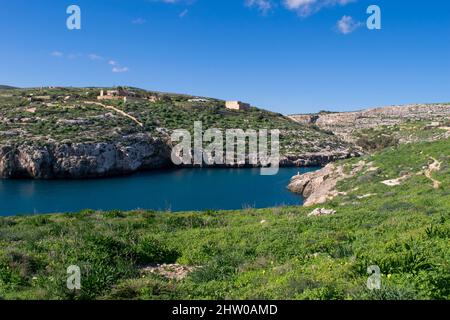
(175, 190)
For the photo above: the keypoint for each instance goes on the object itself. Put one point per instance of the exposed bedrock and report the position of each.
(90, 160)
(82, 160)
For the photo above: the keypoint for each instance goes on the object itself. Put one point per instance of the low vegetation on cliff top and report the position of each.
(274, 253)
(71, 114)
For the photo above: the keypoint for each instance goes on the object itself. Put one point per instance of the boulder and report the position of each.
(321, 212)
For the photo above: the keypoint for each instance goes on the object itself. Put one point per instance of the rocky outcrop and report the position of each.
(320, 186)
(83, 160)
(316, 158)
(170, 271)
(52, 160)
(321, 212)
(344, 124)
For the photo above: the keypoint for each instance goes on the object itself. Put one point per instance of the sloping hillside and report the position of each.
(40, 129)
(394, 121)
(275, 253)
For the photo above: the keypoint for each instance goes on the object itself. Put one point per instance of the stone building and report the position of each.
(117, 94)
(237, 105)
(110, 95)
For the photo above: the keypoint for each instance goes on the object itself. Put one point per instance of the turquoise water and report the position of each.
(174, 190)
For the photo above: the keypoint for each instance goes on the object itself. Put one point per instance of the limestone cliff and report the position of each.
(346, 124)
(82, 160)
(320, 186)
(401, 124)
(67, 133)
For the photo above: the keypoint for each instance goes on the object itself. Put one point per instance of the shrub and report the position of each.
(153, 250)
(376, 143)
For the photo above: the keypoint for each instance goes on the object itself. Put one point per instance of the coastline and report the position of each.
(100, 160)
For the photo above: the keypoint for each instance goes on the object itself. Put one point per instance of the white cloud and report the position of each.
(74, 55)
(347, 25)
(139, 21)
(173, 1)
(120, 69)
(57, 54)
(183, 13)
(116, 67)
(94, 56)
(263, 6)
(307, 7)
(303, 8)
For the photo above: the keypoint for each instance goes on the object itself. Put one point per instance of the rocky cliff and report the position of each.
(67, 133)
(317, 158)
(346, 124)
(82, 160)
(403, 124)
(320, 186)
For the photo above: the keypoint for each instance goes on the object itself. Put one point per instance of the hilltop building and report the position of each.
(237, 105)
(111, 95)
(117, 94)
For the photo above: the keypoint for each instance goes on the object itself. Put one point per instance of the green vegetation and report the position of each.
(58, 114)
(379, 138)
(274, 253)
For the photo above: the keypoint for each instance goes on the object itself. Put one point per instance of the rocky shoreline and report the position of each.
(320, 186)
(82, 160)
(65, 133)
(314, 159)
(95, 160)
(62, 133)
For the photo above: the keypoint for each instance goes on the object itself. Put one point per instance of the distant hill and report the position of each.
(3, 87)
(351, 126)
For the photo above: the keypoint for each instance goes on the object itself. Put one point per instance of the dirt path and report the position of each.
(428, 172)
(435, 166)
(118, 111)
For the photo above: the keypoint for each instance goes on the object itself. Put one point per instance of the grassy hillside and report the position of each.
(269, 253)
(58, 114)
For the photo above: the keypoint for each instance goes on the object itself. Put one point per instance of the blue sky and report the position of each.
(284, 55)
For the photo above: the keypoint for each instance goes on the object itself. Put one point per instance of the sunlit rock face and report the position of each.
(344, 124)
(82, 160)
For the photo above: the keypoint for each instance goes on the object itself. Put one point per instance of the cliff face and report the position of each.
(320, 186)
(91, 160)
(66, 133)
(317, 158)
(406, 124)
(345, 124)
(82, 160)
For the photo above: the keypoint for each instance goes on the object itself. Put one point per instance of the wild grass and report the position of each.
(404, 230)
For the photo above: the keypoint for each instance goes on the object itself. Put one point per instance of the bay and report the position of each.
(166, 190)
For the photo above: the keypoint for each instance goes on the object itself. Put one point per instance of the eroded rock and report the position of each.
(82, 160)
(170, 271)
(320, 186)
(321, 212)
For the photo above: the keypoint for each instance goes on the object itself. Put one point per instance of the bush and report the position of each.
(376, 143)
(153, 250)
